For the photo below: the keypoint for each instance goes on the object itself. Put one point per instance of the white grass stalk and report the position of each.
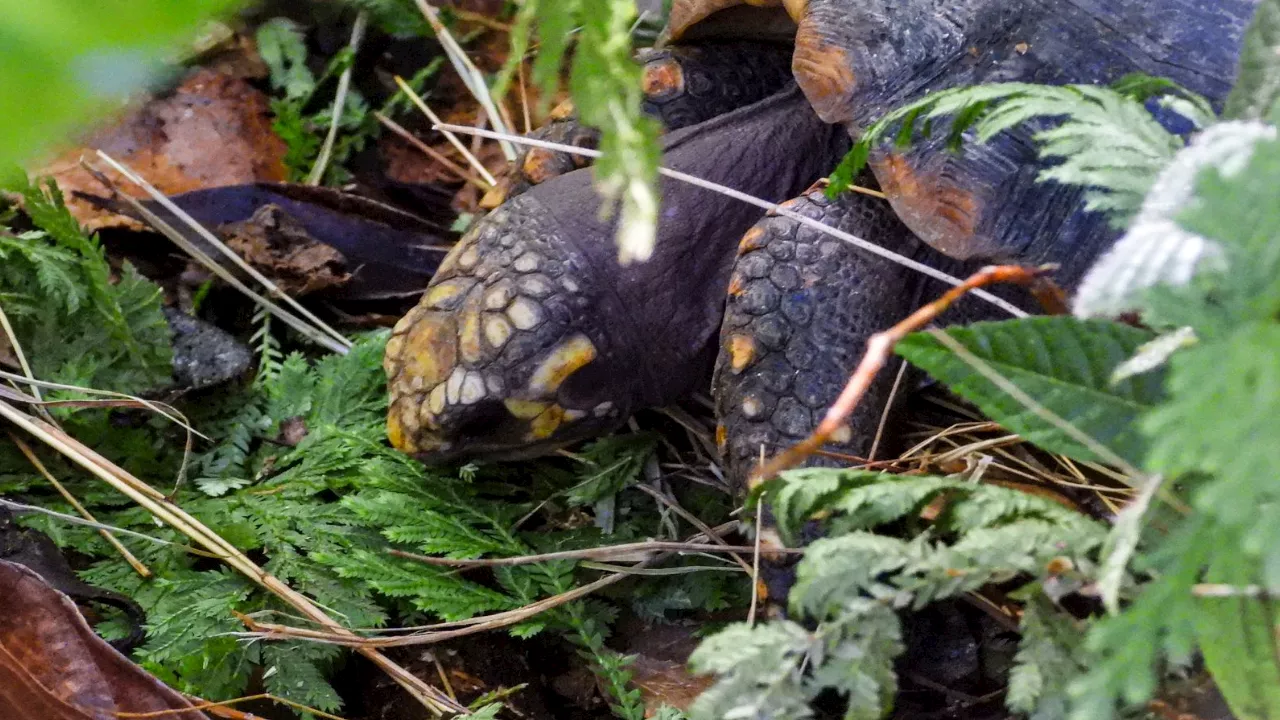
(470, 74)
(339, 103)
(319, 331)
(452, 138)
(766, 205)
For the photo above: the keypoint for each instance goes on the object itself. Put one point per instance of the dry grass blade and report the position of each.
(29, 377)
(448, 134)
(339, 102)
(441, 632)
(431, 152)
(639, 551)
(697, 522)
(214, 707)
(317, 330)
(427, 634)
(122, 400)
(129, 557)
(470, 74)
(1042, 412)
(167, 512)
(763, 204)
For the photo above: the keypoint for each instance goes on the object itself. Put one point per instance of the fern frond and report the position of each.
(1104, 139)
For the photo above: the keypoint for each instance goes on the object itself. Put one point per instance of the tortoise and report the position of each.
(532, 335)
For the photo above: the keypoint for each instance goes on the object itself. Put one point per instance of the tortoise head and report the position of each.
(500, 359)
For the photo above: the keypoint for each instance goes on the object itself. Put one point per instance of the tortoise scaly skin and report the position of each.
(532, 336)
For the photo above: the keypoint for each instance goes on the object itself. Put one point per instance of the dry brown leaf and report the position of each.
(213, 130)
(53, 666)
(659, 666)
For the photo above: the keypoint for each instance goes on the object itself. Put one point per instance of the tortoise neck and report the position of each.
(669, 308)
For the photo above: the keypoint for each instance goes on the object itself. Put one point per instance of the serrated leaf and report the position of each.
(1258, 82)
(1064, 364)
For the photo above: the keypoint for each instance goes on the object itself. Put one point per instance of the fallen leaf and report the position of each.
(213, 130)
(659, 669)
(276, 243)
(53, 666)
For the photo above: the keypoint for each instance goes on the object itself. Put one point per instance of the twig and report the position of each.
(470, 74)
(169, 513)
(448, 134)
(879, 348)
(129, 557)
(723, 545)
(213, 706)
(764, 204)
(431, 152)
(339, 102)
(615, 552)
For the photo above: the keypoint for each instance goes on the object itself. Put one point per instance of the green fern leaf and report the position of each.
(759, 672)
(1105, 141)
(1257, 85)
(1062, 363)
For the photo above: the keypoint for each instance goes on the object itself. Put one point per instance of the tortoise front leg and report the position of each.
(801, 308)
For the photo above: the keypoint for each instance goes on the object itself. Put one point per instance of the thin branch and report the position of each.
(764, 204)
(448, 134)
(470, 74)
(879, 348)
(431, 152)
(339, 102)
